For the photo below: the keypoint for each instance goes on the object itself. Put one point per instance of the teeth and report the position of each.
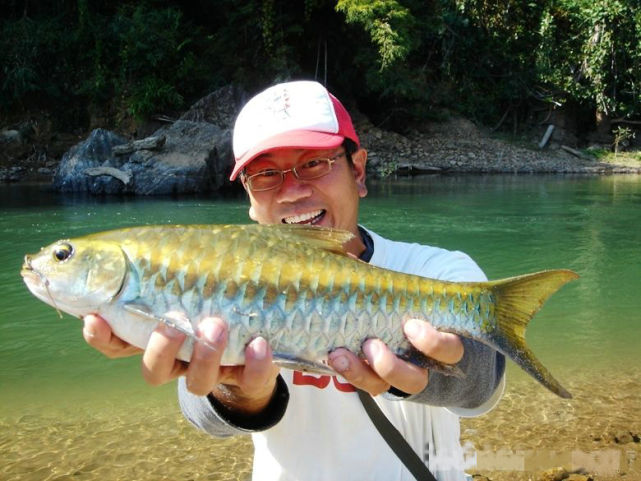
(297, 219)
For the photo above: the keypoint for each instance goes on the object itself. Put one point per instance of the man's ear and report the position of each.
(359, 162)
(252, 213)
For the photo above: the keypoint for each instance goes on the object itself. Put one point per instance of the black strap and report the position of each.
(394, 439)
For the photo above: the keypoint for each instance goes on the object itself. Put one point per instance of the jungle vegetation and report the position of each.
(495, 62)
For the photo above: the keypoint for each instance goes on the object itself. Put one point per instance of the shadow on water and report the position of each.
(33, 196)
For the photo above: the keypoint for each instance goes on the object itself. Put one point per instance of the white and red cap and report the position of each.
(300, 114)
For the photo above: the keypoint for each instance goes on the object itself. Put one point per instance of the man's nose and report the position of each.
(292, 188)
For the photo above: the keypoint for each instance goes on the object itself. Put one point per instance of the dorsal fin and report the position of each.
(324, 238)
(332, 240)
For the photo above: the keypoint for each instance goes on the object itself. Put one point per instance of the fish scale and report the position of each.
(294, 285)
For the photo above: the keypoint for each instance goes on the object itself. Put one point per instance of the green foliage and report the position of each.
(395, 59)
(621, 135)
(151, 45)
(138, 58)
(29, 59)
(590, 52)
(388, 24)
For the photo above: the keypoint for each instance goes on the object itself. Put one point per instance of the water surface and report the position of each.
(68, 412)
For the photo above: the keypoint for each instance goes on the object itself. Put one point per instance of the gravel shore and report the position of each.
(458, 146)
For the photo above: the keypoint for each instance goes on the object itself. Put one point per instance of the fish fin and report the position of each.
(294, 363)
(419, 359)
(332, 240)
(172, 319)
(517, 300)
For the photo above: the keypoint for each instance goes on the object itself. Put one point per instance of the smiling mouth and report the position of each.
(313, 217)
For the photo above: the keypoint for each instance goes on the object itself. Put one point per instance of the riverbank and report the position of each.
(459, 146)
(454, 145)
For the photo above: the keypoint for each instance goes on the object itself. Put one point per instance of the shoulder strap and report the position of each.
(394, 439)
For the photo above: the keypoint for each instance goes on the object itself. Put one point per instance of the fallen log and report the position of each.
(411, 169)
(121, 175)
(576, 153)
(149, 143)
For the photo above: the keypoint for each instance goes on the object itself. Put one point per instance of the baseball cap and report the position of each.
(301, 114)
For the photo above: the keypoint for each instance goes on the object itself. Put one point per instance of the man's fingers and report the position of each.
(402, 375)
(440, 346)
(203, 372)
(159, 363)
(98, 335)
(356, 372)
(259, 373)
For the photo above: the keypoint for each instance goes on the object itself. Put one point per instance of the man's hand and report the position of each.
(98, 335)
(247, 388)
(383, 369)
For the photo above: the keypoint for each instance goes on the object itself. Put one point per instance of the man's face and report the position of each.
(328, 201)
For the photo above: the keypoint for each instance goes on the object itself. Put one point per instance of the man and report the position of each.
(300, 161)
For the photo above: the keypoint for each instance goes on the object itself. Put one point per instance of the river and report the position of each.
(70, 413)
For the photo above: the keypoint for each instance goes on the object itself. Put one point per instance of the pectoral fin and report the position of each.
(294, 363)
(174, 319)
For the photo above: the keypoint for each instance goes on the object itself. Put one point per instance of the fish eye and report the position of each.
(62, 252)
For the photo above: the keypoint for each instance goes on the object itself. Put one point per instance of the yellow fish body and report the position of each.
(293, 285)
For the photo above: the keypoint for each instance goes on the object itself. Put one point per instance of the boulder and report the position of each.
(95, 151)
(195, 157)
(192, 155)
(219, 107)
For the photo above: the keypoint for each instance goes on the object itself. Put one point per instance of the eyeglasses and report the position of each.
(269, 179)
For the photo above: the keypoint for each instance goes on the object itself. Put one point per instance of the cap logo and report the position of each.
(280, 105)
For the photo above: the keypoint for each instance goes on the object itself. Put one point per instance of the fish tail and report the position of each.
(517, 300)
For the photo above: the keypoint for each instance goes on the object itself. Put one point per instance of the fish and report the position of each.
(294, 285)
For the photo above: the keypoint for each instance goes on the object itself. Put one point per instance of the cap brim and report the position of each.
(293, 139)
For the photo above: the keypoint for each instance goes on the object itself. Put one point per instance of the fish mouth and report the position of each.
(28, 272)
(310, 218)
(38, 284)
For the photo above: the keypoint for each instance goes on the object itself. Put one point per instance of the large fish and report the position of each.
(293, 285)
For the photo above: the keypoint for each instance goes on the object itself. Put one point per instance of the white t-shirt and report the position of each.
(326, 434)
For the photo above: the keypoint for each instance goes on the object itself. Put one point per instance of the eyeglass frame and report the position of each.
(331, 160)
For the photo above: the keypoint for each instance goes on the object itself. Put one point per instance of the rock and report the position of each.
(579, 477)
(12, 174)
(191, 155)
(10, 136)
(196, 157)
(554, 474)
(480, 477)
(148, 143)
(623, 437)
(219, 107)
(95, 151)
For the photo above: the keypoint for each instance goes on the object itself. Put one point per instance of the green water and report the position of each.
(509, 224)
